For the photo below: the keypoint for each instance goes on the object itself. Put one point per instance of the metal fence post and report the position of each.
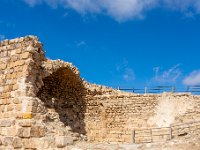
(173, 89)
(145, 90)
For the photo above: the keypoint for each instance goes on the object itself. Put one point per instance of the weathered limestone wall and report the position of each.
(44, 104)
(18, 72)
(114, 117)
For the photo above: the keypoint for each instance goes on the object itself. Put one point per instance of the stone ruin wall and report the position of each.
(45, 104)
(124, 117)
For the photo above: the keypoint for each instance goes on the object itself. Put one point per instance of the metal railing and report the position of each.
(160, 89)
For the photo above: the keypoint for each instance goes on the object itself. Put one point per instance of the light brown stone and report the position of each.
(18, 51)
(143, 140)
(62, 141)
(18, 107)
(27, 123)
(7, 141)
(6, 123)
(25, 55)
(161, 131)
(19, 63)
(23, 132)
(29, 144)
(11, 131)
(3, 66)
(161, 138)
(37, 131)
(17, 143)
(10, 107)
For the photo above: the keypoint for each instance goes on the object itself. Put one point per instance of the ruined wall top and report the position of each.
(18, 40)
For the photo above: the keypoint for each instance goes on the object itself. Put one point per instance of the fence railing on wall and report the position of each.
(160, 89)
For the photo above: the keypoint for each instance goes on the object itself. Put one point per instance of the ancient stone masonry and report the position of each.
(44, 104)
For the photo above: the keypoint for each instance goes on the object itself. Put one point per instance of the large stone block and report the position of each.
(7, 141)
(37, 131)
(3, 66)
(10, 107)
(142, 133)
(62, 141)
(161, 131)
(6, 123)
(27, 123)
(47, 142)
(25, 55)
(29, 144)
(17, 143)
(19, 63)
(161, 138)
(139, 140)
(11, 131)
(23, 132)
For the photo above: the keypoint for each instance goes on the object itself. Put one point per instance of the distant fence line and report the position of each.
(159, 89)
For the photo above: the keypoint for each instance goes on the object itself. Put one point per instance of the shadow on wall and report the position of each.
(64, 92)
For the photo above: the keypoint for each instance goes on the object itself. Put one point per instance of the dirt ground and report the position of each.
(180, 144)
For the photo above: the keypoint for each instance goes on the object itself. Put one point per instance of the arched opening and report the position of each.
(64, 93)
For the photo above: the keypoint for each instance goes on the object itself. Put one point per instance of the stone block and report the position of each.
(3, 131)
(139, 140)
(29, 144)
(2, 108)
(37, 131)
(25, 55)
(16, 101)
(17, 143)
(7, 141)
(161, 138)
(3, 66)
(161, 131)
(27, 123)
(23, 132)
(18, 107)
(27, 115)
(142, 133)
(10, 107)
(62, 141)
(11, 131)
(18, 51)
(6, 123)
(19, 63)
(47, 142)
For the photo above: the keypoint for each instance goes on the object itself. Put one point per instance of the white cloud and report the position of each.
(125, 71)
(122, 65)
(32, 3)
(182, 5)
(193, 78)
(129, 74)
(2, 37)
(121, 10)
(81, 43)
(167, 76)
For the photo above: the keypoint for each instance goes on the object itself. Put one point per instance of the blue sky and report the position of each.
(126, 43)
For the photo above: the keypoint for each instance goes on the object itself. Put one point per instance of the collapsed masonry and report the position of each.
(45, 104)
